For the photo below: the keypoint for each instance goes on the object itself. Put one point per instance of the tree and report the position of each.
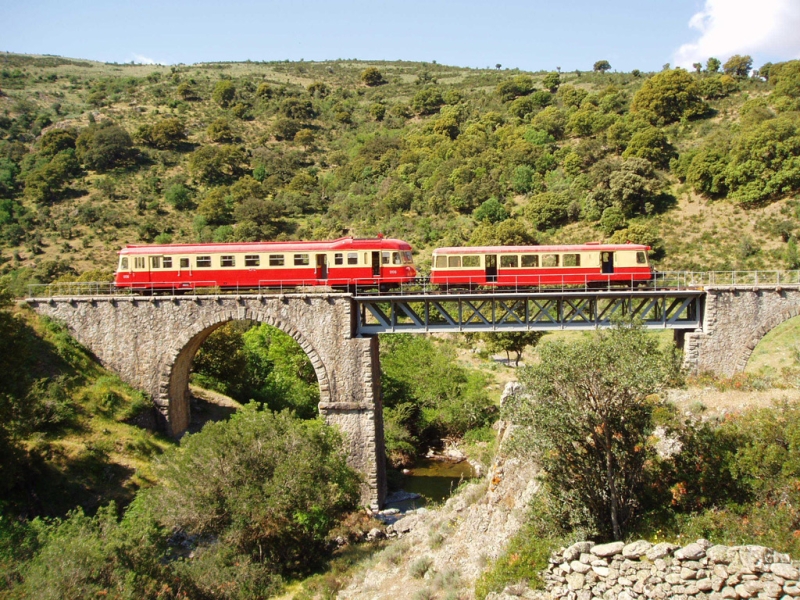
(521, 85)
(551, 81)
(220, 130)
(224, 93)
(165, 134)
(372, 77)
(698, 67)
(266, 485)
(738, 65)
(585, 417)
(601, 66)
(713, 65)
(491, 210)
(547, 210)
(651, 144)
(217, 164)
(186, 91)
(512, 341)
(428, 100)
(179, 196)
(669, 96)
(104, 146)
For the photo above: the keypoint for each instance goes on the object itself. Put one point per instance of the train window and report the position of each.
(509, 261)
(203, 261)
(184, 263)
(300, 260)
(385, 258)
(572, 260)
(549, 260)
(252, 260)
(276, 260)
(155, 262)
(441, 262)
(352, 258)
(407, 257)
(473, 260)
(227, 260)
(167, 262)
(123, 263)
(338, 258)
(138, 262)
(530, 260)
(641, 258)
(453, 262)
(395, 258)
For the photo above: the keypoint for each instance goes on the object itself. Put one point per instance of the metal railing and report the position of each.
(668, 280)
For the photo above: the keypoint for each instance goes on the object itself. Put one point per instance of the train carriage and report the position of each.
(344, 263)
(530, 266)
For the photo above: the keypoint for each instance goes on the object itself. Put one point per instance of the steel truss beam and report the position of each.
(680, 309)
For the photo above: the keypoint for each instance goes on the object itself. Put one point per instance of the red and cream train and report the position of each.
(381, 263)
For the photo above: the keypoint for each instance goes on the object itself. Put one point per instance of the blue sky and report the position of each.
(530, 35)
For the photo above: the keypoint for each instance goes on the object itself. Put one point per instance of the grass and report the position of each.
(777, 351)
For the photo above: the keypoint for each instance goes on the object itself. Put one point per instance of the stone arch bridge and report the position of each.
(151, 341)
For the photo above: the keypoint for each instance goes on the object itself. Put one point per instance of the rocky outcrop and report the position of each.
(643, 571)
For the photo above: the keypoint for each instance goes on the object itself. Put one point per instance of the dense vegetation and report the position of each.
(93, 156)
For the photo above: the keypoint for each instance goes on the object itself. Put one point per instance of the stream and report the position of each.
(434, 480)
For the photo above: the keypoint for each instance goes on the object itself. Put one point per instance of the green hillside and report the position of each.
(703, 166)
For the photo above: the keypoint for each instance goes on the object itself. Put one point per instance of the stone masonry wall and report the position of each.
(150, 343)
(735, 320)
(641, 570)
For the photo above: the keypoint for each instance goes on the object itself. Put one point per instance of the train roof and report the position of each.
(346, 243)
(590, 247)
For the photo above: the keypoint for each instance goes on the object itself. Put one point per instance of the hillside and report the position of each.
(703, 166)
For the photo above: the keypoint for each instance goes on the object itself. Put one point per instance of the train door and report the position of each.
(491, 268)
(376, 264)
(322, 266)
(607, 261)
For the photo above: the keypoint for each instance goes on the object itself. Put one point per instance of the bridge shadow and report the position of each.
(209, 406)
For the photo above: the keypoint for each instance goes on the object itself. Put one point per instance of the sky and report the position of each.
(530, 35)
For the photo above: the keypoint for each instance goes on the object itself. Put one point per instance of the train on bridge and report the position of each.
(377, 263)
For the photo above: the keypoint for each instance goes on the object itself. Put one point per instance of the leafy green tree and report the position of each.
(601, 66)
(569, 95)
(57, 140)
(319, 89)
(669, 96)
(219, 130)
(217, 164)
(47, 182)
(698, 67)
(224, 93)
(512, 341)
(521, 85)
(372, 77)
(585, 416)
(651, 144)
(285, 128)
(738, 65)
(103, 146)
(217, 206)
(266, 485)
(297, 108)
(551, 81)
(612, 220)
(179, 196)
(551, 120)
(428, 100)
(491, 210)
(186, 91)
(165, 134)
(713, 65)
(377, 110)
(547, 210)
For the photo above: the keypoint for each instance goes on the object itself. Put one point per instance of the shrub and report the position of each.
(669, 96)
(371, 76)
(104, 146)
(224, 93)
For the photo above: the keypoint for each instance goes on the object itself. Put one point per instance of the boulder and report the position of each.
(636, 549)
(605, 550)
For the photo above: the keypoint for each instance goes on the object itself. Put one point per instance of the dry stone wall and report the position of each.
(643, 571)
(150, 342)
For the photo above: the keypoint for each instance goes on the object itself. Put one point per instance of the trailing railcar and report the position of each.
(344, 263)
(529, 266)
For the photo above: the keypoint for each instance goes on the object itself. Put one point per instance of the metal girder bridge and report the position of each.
(527, 311)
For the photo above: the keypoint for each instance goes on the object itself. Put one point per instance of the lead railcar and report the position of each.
(591, 264)
(344, 263)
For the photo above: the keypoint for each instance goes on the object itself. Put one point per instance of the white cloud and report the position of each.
(727, 27)
(138, 58)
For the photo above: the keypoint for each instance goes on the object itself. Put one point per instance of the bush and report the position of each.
(224, 93)
(371, 76)
(266, 485)
(669, 96)
(105, 146)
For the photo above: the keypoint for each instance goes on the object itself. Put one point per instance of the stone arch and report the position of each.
(173, 396)
(767, 326)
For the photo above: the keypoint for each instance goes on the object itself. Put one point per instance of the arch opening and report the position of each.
(776, 353)
(247, 359)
